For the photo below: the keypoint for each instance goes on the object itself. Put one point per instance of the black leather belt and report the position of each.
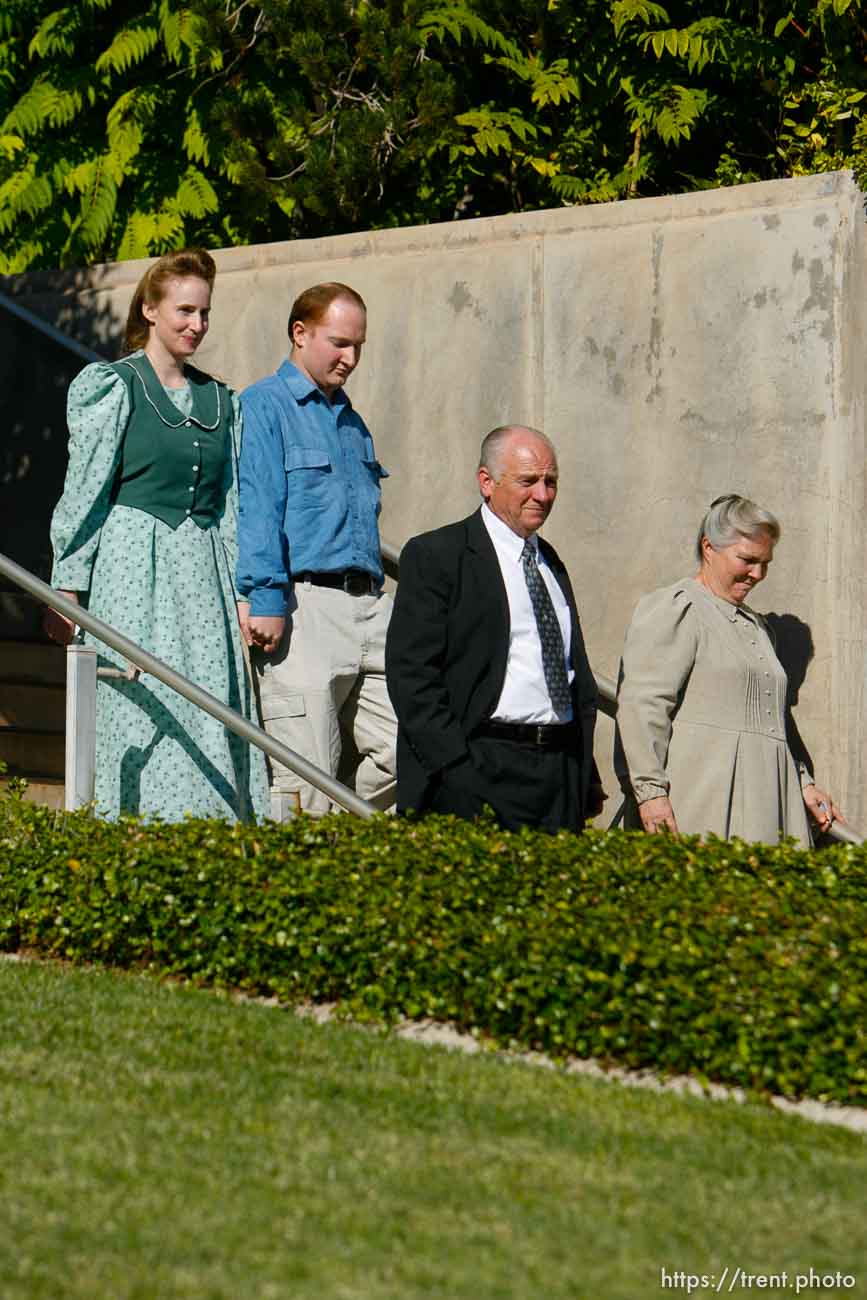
(563, 735)
(355, 582)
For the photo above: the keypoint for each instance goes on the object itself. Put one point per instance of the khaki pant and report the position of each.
(324, 695)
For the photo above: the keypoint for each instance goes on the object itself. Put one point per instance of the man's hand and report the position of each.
(657, 815)
(56, 625)
(265, 631)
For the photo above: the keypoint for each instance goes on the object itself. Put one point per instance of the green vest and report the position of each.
(174, 466)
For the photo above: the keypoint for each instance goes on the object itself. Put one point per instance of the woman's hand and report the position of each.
(822, 807)
(55, 625)
(243, 608)
(657, 815)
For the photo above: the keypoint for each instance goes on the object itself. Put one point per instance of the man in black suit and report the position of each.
(485, 661)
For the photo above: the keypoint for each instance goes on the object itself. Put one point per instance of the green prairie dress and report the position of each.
(146, 532)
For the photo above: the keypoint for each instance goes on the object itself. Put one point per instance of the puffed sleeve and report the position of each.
(658, 656)
(229, 518)
(97, 410)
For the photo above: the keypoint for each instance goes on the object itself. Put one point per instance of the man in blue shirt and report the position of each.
(309, 559)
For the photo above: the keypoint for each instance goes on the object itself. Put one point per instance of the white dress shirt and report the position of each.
(524, 697)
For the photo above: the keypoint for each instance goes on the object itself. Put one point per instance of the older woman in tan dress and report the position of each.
(701, 706)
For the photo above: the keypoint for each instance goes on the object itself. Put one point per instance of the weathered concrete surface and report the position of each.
(674, 348)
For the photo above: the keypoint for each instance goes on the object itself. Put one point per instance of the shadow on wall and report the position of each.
(795, 649)
(35, 373)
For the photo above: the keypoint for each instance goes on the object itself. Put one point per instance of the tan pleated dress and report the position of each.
(701, 717)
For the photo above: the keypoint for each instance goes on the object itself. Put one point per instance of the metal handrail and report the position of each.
(50, 331)
(235, 721)
(843, 834)
(148, 663)
(390, 554)
(607, 689)
(604, 685)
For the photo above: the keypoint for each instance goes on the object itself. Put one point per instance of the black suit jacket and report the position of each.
(446, 653)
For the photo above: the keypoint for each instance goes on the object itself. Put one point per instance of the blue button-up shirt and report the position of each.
(310, 497)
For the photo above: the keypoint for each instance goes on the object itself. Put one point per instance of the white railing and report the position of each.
(82, 674)
(80, 764)
(81, 702)
(607, 690)
(50, 331)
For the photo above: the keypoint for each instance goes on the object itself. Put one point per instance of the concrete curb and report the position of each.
(431, 1033)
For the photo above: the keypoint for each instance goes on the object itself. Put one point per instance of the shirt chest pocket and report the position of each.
(309, 471)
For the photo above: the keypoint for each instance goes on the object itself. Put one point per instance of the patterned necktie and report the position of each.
(550, 636)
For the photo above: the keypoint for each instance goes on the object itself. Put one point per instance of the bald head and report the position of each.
(495, 443)
(518, 476)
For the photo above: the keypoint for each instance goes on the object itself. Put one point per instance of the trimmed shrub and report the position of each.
(741, 963)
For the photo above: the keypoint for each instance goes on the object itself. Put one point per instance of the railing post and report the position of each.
(80, 725)
(145, 662)
(285, 806)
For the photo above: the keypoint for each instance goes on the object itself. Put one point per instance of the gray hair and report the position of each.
(731, 517)
(494, 445)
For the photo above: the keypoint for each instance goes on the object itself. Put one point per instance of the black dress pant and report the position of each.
(524, 785)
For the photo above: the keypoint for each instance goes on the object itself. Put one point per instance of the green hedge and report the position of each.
(739, 963)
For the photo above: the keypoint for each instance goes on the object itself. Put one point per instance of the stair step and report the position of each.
(36, 707)
(30, 751)
(41, 789)
(32, 662)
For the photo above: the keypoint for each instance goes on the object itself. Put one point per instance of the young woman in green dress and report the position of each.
(144, 537)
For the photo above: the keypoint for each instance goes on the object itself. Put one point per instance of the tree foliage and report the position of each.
(128, 127)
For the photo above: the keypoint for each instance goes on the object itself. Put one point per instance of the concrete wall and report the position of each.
(674, 349)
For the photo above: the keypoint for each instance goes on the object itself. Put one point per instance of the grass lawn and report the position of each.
(160, 1143)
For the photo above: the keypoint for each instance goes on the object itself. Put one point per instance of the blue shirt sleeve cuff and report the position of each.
(267, 603)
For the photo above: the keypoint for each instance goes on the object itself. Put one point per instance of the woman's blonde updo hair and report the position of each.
(153, 284)
(731, 517)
